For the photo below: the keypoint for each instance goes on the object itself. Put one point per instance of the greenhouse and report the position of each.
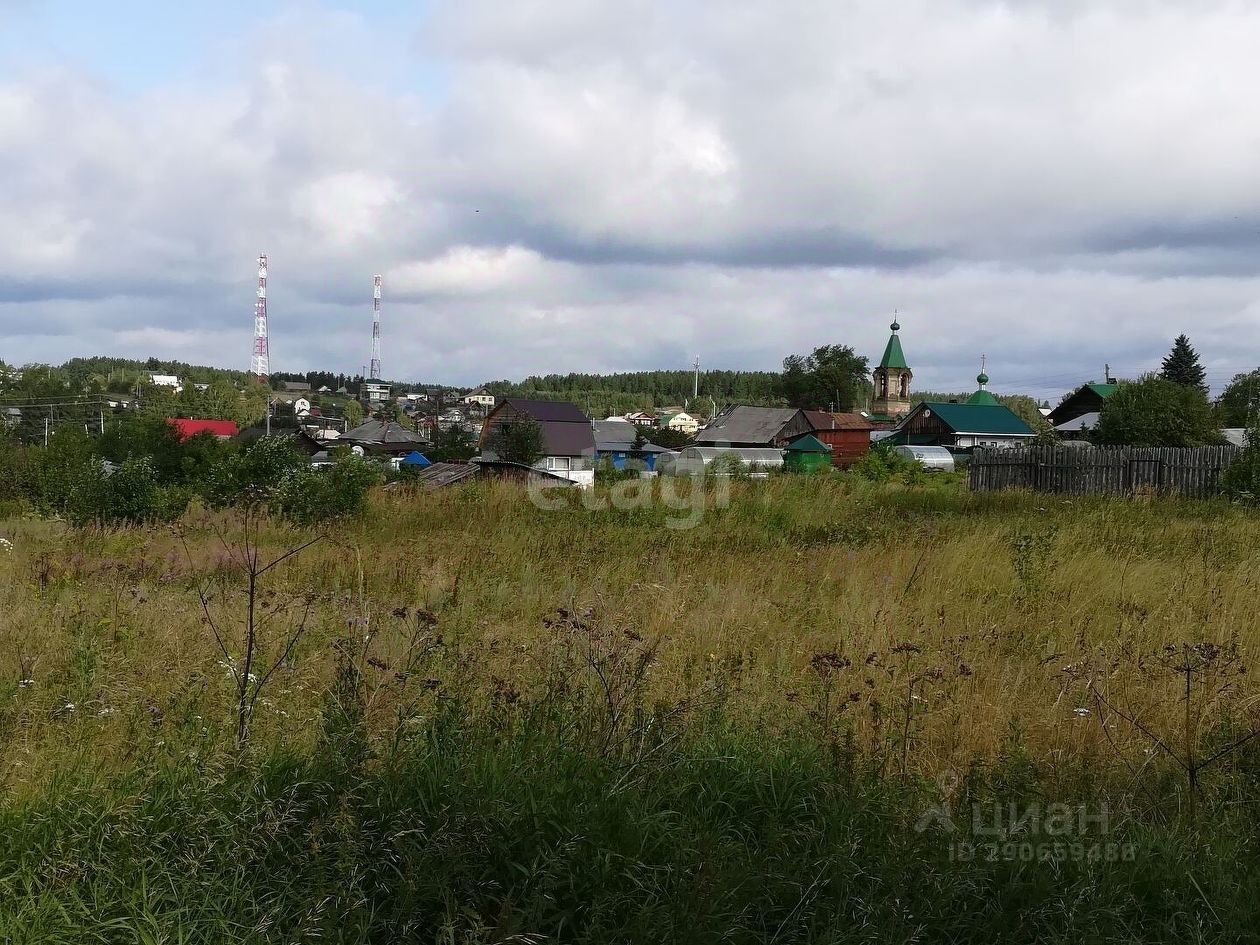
(756, 461)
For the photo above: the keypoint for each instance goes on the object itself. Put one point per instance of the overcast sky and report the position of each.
(570, 185)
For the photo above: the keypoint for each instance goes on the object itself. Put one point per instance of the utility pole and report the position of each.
(695, 383)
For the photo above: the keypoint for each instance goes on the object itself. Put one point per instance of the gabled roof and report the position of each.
(541, 410)
(1085, 399)
(1086, 421)
(808, 444)
(566, 430)
(381, 433)
(567, 438)
(186, 429)
(744, 424)
(995, 419)
(618, 436)
(825, 420)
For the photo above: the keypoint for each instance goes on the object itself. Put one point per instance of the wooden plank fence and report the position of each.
(1115, 470)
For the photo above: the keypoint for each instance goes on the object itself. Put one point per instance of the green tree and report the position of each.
(353, 412)
(313, 496)
(832, 375)
(1155, 411)
(453, 445)
(1241, 478)
(1182, 366)
(664, 436)
(1239, 403)
(517, 441)
(125, 495)
(253, 476)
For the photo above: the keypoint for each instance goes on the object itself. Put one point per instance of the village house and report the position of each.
(620, 442)
(374, 394)
(755, 426)
(848, 434)
(978, 421)
(680, 422)
(480, 396)
(383, 438)
(185, 428)
(568, 438)
(1080, 409)
(166, 380)
(961, 426)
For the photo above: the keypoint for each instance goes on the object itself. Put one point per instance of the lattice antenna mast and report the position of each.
(260, 363)
(375, 373)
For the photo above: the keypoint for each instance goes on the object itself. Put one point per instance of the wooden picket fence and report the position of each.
(1116, 470)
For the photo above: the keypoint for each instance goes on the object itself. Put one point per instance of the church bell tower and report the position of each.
(892, 380)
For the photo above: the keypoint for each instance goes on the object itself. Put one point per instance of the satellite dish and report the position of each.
(357, 450)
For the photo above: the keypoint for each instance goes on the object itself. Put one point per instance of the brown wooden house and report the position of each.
(848, 434)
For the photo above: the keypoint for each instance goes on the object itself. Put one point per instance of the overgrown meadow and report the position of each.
(830, 711)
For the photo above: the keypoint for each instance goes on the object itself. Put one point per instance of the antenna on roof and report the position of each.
(1107, 374)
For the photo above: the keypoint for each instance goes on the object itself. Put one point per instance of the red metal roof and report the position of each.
(187, 429)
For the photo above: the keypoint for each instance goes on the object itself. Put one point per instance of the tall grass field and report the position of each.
(828, 712)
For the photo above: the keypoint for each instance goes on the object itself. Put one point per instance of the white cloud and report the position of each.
(468, 270)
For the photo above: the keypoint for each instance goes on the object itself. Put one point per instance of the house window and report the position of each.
(561, 463)
(883, 385)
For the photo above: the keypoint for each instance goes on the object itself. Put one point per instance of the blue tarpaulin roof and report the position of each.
(415, 458)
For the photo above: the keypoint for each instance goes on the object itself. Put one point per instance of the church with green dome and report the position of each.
(892, 382)
(982, 395)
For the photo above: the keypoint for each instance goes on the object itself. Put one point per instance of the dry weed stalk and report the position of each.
(1207, 677)
(260, 608)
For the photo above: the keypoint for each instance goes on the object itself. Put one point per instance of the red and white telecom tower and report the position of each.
(260, 363)
(374, 372)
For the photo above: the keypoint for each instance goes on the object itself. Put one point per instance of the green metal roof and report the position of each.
(979, 418)
(1103, 390)
(984, 398)
(808, 444)
(893, 357)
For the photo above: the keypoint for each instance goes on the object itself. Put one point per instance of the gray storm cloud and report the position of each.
(598, 186)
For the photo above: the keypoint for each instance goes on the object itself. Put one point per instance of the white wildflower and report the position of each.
(1082, 711)
(69, 706)
(5, 544)
(23, 683)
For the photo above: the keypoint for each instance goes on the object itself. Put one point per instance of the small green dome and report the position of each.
(894, 326)
(982, 378)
